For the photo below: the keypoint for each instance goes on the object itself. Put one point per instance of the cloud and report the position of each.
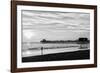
(52, 24)
(55, 20)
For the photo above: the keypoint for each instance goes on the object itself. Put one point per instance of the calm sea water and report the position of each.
(34, 48)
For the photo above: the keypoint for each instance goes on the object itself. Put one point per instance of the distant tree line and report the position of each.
(80, 40)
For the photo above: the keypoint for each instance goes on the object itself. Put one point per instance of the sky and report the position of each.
(50, 25)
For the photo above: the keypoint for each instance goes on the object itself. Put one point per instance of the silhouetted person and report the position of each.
(41, 50)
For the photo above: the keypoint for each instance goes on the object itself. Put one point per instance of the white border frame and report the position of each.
(53, 63)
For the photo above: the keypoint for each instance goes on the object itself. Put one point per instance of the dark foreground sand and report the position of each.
(78, 55)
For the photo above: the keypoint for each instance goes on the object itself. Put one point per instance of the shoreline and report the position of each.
(77, 55)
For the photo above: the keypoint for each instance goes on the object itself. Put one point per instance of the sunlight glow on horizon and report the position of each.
(28, 34)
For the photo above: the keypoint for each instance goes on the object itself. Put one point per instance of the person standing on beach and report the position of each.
(41, 50)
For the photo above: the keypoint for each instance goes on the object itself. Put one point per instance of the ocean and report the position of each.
(37, 48)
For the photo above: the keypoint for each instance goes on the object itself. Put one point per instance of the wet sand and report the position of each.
(76, 55)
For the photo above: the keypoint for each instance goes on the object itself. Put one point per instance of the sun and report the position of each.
(29, 34)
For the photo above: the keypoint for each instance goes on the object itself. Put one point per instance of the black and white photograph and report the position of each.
(54, 35)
